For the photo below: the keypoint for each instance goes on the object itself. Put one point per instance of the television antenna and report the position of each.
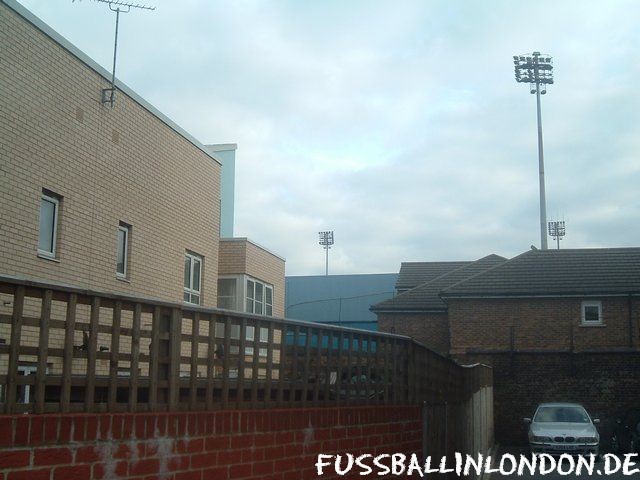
(117, 6)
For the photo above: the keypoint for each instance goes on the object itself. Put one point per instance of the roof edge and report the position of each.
(255, 244)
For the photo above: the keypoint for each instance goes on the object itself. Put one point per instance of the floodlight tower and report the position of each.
(536, 69)
(557, 231)
(326, 240)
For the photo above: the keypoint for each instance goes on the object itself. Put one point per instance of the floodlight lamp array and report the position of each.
(325, 238)
(535, 69)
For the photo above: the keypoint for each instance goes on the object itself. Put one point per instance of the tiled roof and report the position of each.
(426, 297)
(557, 272)
(413, 274)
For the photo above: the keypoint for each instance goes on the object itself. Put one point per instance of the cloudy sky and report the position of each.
(397, 124)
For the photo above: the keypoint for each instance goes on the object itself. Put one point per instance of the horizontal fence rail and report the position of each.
(64, 349)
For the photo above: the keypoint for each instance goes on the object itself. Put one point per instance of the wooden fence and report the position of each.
(64, 349)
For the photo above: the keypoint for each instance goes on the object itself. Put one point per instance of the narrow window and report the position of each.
(250, 296)
(259, 301)
(192, 278)
(592, 313)
(49, 208)
(268, 300)
(123, 250)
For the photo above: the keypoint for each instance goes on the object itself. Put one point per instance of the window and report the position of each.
(192, 278)
(268, 300)
(592, 313)
(227, 293)
(251, 285)
(259, 298)
(49, 208)
(123, 250)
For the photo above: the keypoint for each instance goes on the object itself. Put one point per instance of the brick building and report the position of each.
(418, 311)
(555, 324)
(117, 199)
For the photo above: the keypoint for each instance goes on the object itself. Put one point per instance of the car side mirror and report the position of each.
(596, 420)
(526, 420)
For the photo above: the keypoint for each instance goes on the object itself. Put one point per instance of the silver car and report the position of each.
(559, 428)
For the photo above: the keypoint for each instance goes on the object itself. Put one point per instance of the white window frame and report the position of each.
(192, 257)
(264, 303)
(126, 229)
(238, 288)
(592, 303)
(54, 243)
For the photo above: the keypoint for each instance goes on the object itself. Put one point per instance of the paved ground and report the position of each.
(555, 476)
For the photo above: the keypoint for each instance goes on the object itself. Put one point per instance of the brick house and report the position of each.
(554, 324)
(117, 199)
(419, 312)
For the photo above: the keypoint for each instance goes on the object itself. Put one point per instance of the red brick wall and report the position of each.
(607, 384)
(541, 324)
(276, 444)
(430, 329)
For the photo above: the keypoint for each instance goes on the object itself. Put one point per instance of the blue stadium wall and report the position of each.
(338, 299)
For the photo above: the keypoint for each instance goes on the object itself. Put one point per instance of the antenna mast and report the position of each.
(109, 94)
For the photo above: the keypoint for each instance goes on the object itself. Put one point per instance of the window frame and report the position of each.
(591, 303)
(192, 256)
(253, 300)
(235, 293)
(123, 227)
(55, 200)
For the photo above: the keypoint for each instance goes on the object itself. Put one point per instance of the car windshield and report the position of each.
(561, 414)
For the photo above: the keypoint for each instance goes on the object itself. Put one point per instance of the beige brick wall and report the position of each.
(241, 256)
(109, 165)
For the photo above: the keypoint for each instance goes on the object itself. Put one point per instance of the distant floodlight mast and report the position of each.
(536, 69)
(557, 231)
(326, 240)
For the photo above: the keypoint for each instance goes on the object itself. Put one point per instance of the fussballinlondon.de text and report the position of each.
(465, 465)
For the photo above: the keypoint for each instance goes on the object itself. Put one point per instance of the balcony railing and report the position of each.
(66, 349)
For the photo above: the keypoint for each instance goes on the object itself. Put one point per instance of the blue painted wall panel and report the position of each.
(338, 299)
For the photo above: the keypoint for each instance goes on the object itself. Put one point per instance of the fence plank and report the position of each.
(89, 394)
(135, 358)
(294, 366)
(307, 360)
(211, 355)
(175, 338)
(226, 362)
(14, 348)
(241, 361)
(193, 379)
(268, 381)
(114, 354)
(318, 368)
(282, 368)
(328, 366)
(254, 366)
(69, 331)
(349, 399)
(153, 358)
(43, 346)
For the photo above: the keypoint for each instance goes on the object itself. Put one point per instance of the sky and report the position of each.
(396, 124)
